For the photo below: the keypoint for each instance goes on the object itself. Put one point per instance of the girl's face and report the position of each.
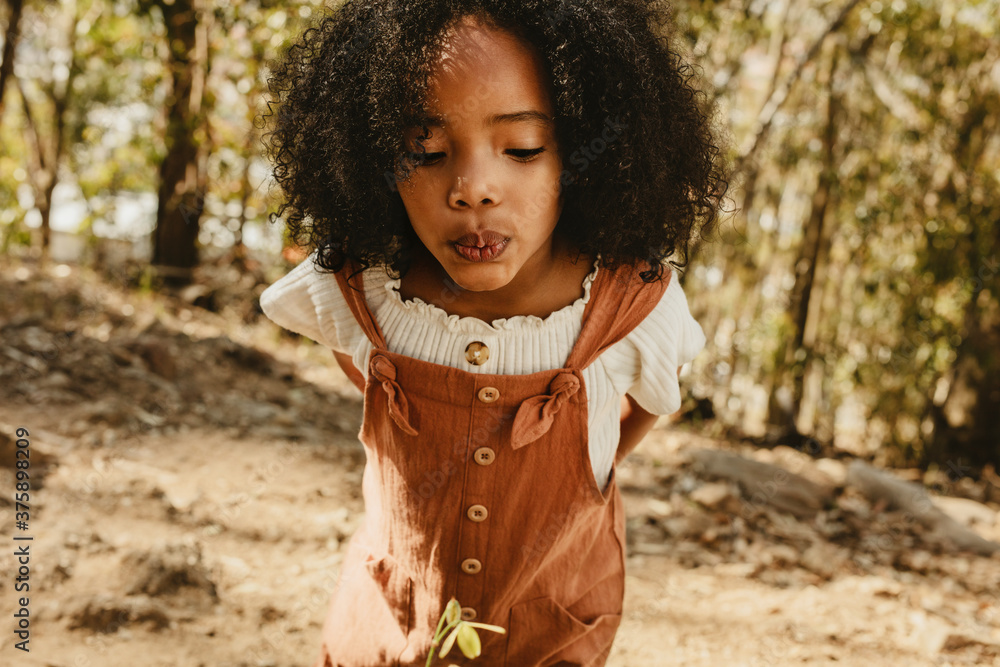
(485, 201)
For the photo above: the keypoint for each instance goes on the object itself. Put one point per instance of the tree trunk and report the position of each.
(182, 179)
(45, 151)
(9, 44)
(966, 428)
(786, 401)
(41, 172)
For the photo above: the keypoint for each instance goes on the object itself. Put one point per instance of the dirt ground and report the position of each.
(196, 476)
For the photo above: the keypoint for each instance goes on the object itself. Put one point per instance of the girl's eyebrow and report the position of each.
(530, 116)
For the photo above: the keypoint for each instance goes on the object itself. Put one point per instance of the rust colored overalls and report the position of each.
(480, 487)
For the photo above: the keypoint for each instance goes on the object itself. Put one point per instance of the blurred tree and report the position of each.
(117, 121)
(865, 280)
(182, 172)
(859, 278)
(45, 144)
(925, 177)
(967, 393)
(786, 407)
(14, 8)
(117, 131)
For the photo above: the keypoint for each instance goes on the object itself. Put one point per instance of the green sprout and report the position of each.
(458, 631)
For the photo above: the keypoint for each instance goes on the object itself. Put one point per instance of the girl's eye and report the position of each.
(424, 158)
(526, 154)
(519, 154)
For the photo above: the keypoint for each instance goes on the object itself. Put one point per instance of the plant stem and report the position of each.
(438, 634)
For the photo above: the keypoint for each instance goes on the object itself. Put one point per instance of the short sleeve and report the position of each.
(644, 364)
(309, 302)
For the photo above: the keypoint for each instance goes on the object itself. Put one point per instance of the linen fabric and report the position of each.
(644, 364)
(478, 486)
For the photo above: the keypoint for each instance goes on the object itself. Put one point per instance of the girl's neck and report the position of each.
(540, 291)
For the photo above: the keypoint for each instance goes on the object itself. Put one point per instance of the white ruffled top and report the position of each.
(643, 364)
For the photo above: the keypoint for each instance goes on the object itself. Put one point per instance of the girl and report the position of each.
(491, 189)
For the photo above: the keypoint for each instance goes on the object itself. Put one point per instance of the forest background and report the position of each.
(850, 299)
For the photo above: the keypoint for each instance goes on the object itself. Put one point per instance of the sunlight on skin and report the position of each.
(486, 202)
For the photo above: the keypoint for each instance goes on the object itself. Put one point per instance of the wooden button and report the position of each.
(484, 456)
(471, 566)
(468, 613)
(477, 353)
(477, 513)
(488, 394)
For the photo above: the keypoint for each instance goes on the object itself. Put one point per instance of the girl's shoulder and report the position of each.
(308, 301)
(645, 363)
(670, 320)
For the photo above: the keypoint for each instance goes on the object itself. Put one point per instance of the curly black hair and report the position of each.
(342, 96)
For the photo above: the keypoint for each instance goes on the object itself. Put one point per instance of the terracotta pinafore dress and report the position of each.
(480, 487)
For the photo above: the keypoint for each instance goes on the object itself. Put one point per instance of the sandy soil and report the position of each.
(165, 534)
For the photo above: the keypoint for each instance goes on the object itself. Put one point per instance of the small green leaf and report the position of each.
(449, 641)
(468, 641)
(487, 626)
(453, 612)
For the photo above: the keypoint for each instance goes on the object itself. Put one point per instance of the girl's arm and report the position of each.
(352, 373)
(635, 424)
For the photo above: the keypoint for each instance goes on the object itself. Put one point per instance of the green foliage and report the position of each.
(115, 125)
(911, 278)
(451, 629)
(908, 283)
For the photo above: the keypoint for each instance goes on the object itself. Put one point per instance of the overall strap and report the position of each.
(380, 367)
(619, 301)
(352, 286)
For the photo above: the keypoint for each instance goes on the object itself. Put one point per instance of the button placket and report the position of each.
(472, 566)
(488, 394)
(483, 440)
(484, 456)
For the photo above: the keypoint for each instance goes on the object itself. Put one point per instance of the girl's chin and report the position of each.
(485, 277)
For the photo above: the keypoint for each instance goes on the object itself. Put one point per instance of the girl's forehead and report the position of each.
(484, 71)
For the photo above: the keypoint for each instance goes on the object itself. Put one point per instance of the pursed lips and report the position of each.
(481, 246)
(482, 239)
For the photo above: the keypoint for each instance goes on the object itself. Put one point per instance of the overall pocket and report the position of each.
(396, 588)
(369, 619)
(542, 632)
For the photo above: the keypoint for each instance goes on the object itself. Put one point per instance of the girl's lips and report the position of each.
(481, 239)
(484, 253)
(481, 246)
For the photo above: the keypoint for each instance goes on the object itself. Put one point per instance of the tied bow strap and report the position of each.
(385, 372)
(535, 416)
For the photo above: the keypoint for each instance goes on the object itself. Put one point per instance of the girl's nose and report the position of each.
(473, 188)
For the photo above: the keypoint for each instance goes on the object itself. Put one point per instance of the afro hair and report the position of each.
(344, 93)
